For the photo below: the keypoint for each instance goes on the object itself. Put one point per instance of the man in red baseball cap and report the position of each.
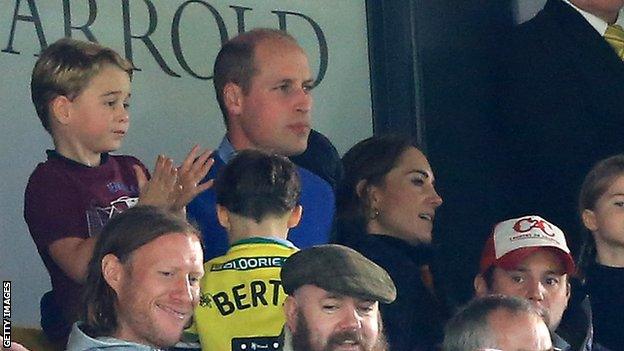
(528, 257)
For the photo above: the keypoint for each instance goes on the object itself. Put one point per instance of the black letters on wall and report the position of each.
(133, 35)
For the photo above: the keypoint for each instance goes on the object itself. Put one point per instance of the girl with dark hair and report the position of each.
(601, 263)
(386, 207)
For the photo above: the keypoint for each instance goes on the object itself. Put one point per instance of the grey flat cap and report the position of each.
(338, 269)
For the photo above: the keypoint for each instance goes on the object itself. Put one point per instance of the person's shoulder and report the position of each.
(42, 170)
(249, 254)
(321, 158)
(311, 179)
(383, 250)
(81, 341)
(317, 142)
(216, 261)
(576, 324)
(539, 26)
(49, 171)
(552, 21)
(261, 245)
(530, 32)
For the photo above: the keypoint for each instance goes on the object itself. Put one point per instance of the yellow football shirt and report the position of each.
(242, 297)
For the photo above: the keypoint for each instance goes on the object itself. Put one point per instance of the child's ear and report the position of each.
(223, 215)
(589, 220)
(233, 98)
(60, 109)
(295, 216)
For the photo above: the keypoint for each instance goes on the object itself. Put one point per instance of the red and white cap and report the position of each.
(514, 240)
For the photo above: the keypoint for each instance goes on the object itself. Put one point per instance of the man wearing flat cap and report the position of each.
(333, 300)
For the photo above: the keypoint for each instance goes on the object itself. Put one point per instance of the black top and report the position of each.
(321, 158)
(576, 328)
(415, 320)
(605, 286)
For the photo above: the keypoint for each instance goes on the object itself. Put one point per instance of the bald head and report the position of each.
(497, 322)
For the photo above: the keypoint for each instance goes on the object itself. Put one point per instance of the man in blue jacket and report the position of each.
(263, 85)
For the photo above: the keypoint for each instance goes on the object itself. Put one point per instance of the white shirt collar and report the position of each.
(598, 23)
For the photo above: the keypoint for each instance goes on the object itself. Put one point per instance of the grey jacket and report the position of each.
(79, 341)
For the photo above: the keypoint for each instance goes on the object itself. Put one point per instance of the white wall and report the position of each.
(167, 114)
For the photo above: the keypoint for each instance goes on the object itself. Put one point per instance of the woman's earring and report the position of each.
(374, 214)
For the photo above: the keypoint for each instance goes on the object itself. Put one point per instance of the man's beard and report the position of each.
(301, 338)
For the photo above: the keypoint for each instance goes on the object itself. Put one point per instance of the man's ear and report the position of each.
(290, 311)
(233, 98)
(480, 286)
(568, 290)
(223, 215)
(295, 216)
(112, 271)
(589, 220)
(60, 109)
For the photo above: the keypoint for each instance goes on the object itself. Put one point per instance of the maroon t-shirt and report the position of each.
(67, 199)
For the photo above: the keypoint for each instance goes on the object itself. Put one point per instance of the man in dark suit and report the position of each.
(561, 110)
(561, 107)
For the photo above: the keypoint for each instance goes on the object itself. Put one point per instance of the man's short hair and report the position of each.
(65, 68)
(257, 185)
(121, 236)
(470, 330)
(235, 61)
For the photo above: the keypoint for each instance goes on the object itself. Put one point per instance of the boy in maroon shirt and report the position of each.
(81, 92)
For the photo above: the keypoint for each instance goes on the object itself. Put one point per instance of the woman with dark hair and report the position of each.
(386, 207)
(601, 263)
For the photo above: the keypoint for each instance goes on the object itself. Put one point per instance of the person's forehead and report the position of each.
(279, 53)
(109, 77)
(616, 188)
(413, 160)
(543, 259)
(170, 245)
(309, 291)
(276, 44)
(505, 322)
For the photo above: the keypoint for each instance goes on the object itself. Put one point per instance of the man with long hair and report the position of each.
(142, 282)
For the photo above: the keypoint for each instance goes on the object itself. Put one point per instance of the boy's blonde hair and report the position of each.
(65, 68)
